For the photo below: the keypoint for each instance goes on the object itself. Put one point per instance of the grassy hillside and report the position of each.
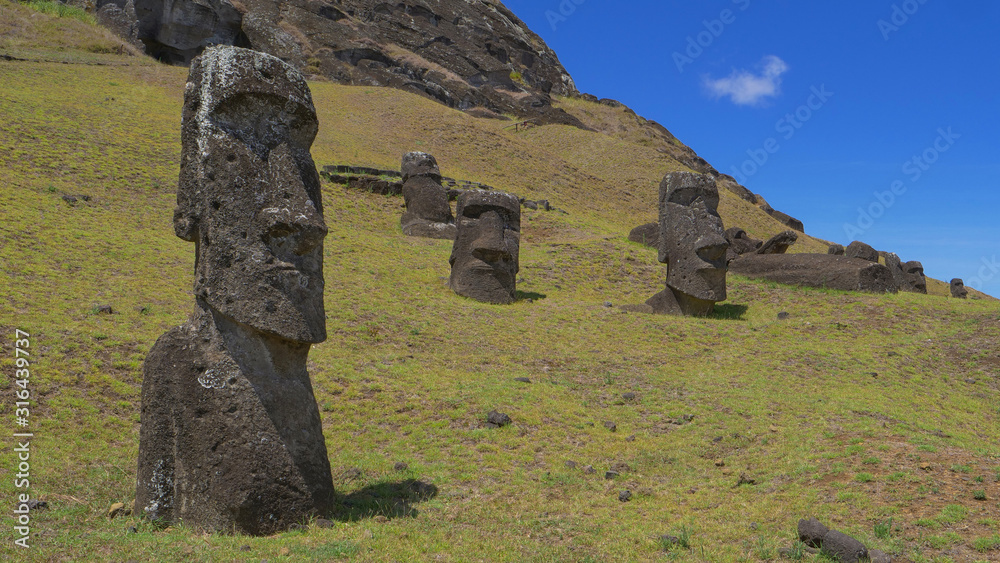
(859, 409)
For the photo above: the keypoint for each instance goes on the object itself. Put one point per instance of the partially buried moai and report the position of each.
(914, 280)
(428, 212)
(692, 245)
(958, 289)
(230, 438)
(484, 258)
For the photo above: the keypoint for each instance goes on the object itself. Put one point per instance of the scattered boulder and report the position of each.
(400, 466)
(779, 243)
(817, 270)
(913, 278)
(428, 213)
(837, 545)
(648, 234)
(484, 258)
(105, 310)
(692, 244)
(496, 419)
(858, 249)
(610, 426)
(230, 433)
(625, 496)
(836, 250)
(958, 289)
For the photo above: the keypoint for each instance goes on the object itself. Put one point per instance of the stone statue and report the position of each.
(858, 249)
(740, 243)
(914, 280)
(817, 270)
(692, 245)
(958, 289)
(428, 213)
(484, 258)
(231, 438)
(779, 243)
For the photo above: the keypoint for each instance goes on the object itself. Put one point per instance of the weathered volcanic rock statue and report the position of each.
(230, 437)
(484, 258)
(914, 280)
(740, 243)
(817, 270)
(858, 249)
(836, 250)
(692, 245)
(428, 213)
(958, 289)
(895, 266)
(779, 243)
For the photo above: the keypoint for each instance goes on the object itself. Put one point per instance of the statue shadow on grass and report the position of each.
(729, 312)
(391, 500)
(528, 295)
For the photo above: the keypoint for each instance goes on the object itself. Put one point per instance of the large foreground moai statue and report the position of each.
(484, 258)
(428, 213)
(231, 438)
(692, 245)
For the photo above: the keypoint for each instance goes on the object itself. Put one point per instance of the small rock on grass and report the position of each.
(745, 480)
(589, 470)
(522, 380)
(571, 464)
(630, 438)
(628, 396)
(625, 496)
(497, 419)
(783, 316)
(400, 466)
(611, 426)
(610, 474)
(323, 523)
(35, 504)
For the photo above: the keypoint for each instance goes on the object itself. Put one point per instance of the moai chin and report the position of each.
(484, 258)
(692, 245)
(231, 438)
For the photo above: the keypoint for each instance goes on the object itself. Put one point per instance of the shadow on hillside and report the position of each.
(391, 500)
(528, 295)
(729, 312)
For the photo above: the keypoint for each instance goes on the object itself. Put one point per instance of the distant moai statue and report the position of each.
(692, 244)
(428, 213)
(231, 438)
(958, 289)
(484, 258)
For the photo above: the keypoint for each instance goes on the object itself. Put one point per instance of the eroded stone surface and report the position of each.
(692, 245)
(428, 212)
(817, 270)
(779, 243)
(230, 438)
(858, 249)
(914, 280)
(484, 258)
(958, 289)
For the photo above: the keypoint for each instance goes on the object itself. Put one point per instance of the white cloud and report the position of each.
(745, 88)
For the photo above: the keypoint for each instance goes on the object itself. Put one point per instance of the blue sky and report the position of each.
(872, 120)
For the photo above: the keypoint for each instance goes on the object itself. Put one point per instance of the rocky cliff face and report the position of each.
(473, 55)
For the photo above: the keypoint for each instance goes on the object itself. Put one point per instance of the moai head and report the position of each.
(958, 289)
(692, 241)
(420, 164)
(249, 195)
(484, 258)
(913, 274)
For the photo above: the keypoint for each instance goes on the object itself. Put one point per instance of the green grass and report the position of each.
(410, 368)
(61, 10)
